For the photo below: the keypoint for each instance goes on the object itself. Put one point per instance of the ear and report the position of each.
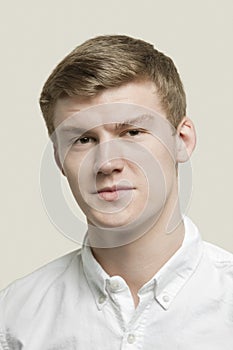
(57, 159)
(186, 140)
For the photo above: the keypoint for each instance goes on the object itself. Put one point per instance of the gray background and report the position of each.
(37, 35)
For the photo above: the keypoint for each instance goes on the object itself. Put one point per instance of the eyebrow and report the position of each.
(73, 129)
(134, 121)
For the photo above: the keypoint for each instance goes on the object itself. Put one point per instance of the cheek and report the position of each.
(165, 172)
(168, 167)
(164, 154)
(71, 168)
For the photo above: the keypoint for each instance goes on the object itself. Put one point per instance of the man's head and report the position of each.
(111, 61)
(122, 172)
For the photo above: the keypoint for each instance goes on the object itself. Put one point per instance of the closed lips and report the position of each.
(115, 188)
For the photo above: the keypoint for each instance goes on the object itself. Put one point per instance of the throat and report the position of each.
(139, 261)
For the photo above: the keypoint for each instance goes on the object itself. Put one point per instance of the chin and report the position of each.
(110, 220)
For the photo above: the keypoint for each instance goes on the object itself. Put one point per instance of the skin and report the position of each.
(139, 260)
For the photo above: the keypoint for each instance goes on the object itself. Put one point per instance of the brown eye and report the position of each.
(84, 140)
(133, 132)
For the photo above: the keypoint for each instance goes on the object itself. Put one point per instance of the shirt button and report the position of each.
(166, 298)
(131, 338)
(102, 299)
(114, 285)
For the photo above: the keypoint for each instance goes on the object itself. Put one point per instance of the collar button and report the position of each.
(114, 286)
(102, 299)
(166, 298)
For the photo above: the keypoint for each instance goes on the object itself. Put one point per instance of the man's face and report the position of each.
(120, 172)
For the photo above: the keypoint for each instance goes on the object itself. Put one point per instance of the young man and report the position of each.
(116, 113)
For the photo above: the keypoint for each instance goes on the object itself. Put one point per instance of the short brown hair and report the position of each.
(110, 61)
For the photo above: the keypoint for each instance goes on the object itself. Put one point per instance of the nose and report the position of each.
(110, 166)
(108, 159)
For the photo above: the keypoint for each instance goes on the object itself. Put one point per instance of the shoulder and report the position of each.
(217, 254)
(32, 288)
(48, 271)
(220, 258)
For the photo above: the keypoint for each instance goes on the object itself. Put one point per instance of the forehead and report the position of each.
(140, 93)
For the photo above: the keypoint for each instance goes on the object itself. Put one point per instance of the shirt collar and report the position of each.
(95, 274)
(166, 283)
(179, 268)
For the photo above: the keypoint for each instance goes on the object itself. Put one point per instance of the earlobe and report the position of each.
(186, 140)
(57, 159)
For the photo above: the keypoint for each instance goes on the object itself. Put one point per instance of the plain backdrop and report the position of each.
(36, 35)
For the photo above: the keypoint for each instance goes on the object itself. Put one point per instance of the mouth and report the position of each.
(113, 193)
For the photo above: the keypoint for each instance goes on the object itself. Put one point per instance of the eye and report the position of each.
(84, 140)
(134, 132)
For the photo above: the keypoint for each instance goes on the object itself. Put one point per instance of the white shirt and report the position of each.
(72, 303)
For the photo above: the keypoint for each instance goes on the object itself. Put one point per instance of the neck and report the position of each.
(138, 261)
